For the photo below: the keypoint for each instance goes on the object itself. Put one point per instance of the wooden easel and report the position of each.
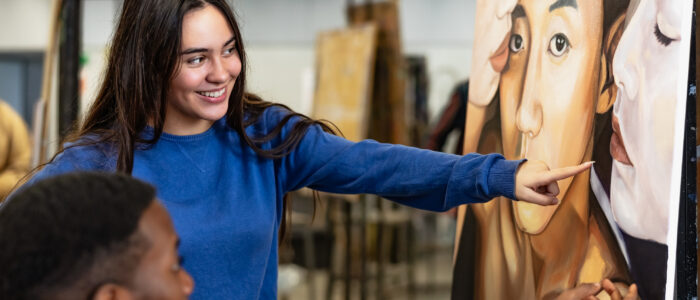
(41, 111)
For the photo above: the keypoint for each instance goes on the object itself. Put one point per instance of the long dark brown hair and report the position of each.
(143, 60)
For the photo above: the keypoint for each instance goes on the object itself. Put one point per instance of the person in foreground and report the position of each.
(89, 235)
(172, 110)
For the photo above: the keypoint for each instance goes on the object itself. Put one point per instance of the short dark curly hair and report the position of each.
(65, 236)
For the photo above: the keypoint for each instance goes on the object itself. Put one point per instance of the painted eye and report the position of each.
(559, 45)
(662, 38)
(516, 43)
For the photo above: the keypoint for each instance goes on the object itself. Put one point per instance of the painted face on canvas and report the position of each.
(209, 66)
(493, 24)
(645, 67)
(549, 90)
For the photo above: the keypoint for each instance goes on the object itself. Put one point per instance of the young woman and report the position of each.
(172, 110)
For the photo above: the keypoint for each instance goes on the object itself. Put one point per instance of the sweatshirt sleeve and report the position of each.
(419, 178)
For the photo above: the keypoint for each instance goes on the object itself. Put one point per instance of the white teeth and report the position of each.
(213, 94)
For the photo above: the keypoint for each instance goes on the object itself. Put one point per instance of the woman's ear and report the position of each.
(111, 291)
(606, 84)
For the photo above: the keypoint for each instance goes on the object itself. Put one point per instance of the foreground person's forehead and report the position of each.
(155, 222)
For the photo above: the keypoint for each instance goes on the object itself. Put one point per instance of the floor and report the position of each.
(430, 238)
(433, 279)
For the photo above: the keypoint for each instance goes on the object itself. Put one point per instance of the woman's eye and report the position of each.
(230, 50)
(196, 60)
(516, 43)
(559, 45)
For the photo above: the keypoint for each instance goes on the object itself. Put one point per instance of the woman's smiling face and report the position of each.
(549, 90)
(208, 68)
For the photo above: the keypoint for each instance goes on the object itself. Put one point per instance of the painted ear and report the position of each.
(111, 291)
(608, 89)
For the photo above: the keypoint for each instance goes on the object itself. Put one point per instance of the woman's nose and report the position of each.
(218, 73)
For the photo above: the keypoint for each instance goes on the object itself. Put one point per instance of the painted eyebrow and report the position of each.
(197, 50)
(518, 12)
(563, 3)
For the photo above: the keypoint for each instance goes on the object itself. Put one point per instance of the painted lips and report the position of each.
(499, 58)
(617, 145)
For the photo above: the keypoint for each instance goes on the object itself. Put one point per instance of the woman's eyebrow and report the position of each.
(231, 40)
(195, 50)
(563, 3)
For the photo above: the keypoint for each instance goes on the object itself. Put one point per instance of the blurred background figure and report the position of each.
(15, 149)
(452, 119)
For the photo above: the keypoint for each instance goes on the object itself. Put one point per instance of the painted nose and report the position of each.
(528, 117)
(627, 59)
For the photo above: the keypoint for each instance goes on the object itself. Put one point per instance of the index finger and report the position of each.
(585, 290)
(566, 172)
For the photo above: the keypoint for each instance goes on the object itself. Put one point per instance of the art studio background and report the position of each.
(394, 71)
(432, 42)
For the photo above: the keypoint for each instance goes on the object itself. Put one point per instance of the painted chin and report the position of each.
(532, 218)
(499, 58)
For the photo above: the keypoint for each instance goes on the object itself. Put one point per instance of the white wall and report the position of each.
(279, 36)
(24, 24)
(99, 19)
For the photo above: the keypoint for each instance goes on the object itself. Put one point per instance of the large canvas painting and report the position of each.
(344, 64)
(564, 82)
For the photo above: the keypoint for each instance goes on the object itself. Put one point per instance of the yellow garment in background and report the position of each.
(15, 149)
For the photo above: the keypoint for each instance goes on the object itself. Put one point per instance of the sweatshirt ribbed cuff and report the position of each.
(501, 178)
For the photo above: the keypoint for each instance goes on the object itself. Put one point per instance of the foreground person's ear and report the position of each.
(111, 291)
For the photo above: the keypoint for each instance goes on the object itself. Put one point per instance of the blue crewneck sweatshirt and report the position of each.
(226, 201)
